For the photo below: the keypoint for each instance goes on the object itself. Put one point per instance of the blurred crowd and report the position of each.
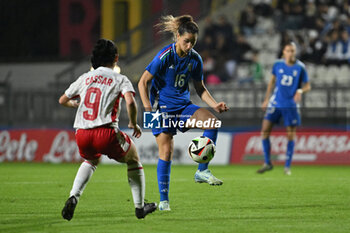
(320, 29)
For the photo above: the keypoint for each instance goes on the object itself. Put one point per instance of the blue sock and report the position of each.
(289, 154)
(212, 134)
(163, 174)
(267, 150)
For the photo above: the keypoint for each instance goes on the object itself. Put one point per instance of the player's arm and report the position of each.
(270, 86)
(132, 113)
(143, 90)
(306, 87)
(67, 102)
(204, 94)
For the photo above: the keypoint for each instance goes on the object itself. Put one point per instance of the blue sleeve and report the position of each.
(198, 70)
(155, 66)
(304, 76)
(274, 69)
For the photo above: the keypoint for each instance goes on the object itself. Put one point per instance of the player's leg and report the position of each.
(165, 143)
(85, 171)
(266, 129)
(85, 139)
(265, 137)
(203, 174)
(136, 179)
(292, 119)
(272, 116)
(291, 132)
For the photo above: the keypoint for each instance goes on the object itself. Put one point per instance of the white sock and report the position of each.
(136, 178)
(84, 173)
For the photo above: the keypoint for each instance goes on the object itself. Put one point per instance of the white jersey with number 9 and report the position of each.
(100, 92)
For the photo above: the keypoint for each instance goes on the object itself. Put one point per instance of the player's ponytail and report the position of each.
(104, 53)
(180, 24)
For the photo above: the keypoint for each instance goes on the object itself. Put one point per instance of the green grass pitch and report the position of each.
(313, 199)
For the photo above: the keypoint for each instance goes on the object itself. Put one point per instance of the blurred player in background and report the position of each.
(290, 81)
(170, 72)
(101, 91)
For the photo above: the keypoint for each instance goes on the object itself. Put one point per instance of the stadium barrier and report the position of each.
(59, 146)
(315, 147)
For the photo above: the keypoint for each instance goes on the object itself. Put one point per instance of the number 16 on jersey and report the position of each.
(180, 80)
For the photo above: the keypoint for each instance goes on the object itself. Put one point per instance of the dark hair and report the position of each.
(288, 43)
(180, 24)
(186, 24)
(104, 53)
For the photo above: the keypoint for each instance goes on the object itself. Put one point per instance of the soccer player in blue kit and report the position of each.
(290, 80)
(170, 72)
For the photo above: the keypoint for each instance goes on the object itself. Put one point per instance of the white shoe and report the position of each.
(164, 206)
(206, 177)
(287, 171)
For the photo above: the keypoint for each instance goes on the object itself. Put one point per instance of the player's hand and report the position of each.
(137, 130)
(297, 97)
(221, 107)
(264, 105)
(74, 103)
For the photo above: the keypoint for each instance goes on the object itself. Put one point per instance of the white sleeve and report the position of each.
(126, 86)
(73, 89)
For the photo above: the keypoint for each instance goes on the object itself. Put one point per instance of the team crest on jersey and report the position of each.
(295, 72)
(281, 71)
(189, 67)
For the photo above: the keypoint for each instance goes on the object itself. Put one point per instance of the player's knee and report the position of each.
(290, 136)
(166, 152)
(132, 160)
(291, 133)
(165, 155)
(94, 162)
(265, 134)
(131, 156)
(203, 114)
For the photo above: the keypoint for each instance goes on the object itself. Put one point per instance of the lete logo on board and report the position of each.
(53, 146)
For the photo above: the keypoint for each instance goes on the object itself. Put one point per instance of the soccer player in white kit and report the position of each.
(101, 92)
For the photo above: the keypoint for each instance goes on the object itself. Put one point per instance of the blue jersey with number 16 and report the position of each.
(288, 80)
(171, 75)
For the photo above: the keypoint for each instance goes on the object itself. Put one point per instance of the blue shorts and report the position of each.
(290, 116)
(172, 120)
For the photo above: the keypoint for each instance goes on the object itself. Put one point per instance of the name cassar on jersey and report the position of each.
(99, 79)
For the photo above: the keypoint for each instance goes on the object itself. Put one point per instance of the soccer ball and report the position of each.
(201, 149)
